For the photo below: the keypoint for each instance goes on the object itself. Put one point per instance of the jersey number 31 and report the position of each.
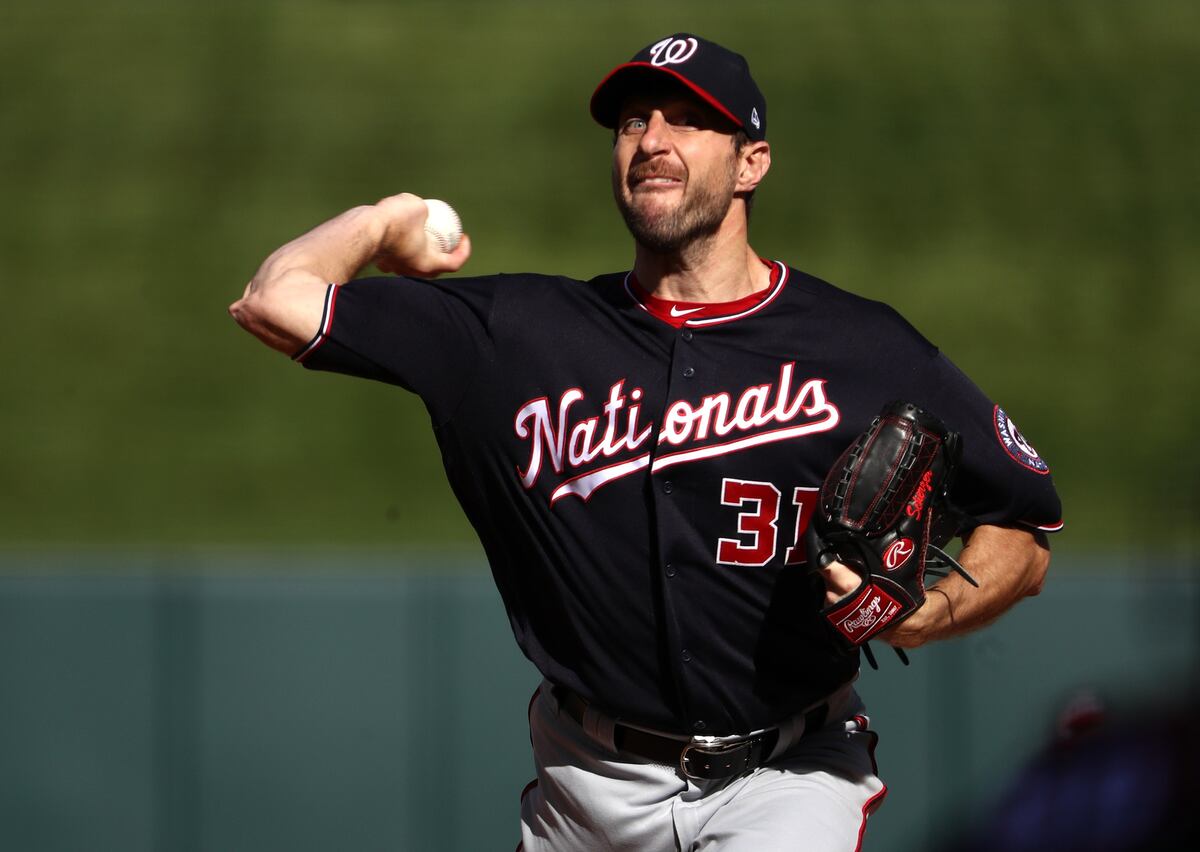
(758, 523)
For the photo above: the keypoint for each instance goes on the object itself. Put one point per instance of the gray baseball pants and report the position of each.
(590, 798)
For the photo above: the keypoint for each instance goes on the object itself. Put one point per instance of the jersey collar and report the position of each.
(700, 314)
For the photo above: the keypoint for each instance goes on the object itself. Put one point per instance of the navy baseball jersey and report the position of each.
(639, 471)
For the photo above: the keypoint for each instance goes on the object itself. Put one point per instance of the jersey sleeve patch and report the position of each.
(1014, 443)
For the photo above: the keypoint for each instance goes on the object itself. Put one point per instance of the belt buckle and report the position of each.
(723, 749)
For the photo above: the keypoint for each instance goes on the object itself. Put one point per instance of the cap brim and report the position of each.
(610, 94)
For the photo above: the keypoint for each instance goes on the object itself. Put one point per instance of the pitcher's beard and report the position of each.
(697, 218)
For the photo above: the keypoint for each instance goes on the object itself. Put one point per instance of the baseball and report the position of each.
(443, 225)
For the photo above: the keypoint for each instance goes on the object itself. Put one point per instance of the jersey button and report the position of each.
(699, 726)
(670, 570)
(668, 487)
(687, 336)
(686, 655)
(688, 372)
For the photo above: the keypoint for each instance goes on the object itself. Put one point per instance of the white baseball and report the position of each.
(442, 225)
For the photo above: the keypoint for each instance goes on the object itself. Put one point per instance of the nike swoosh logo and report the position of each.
(676, 312)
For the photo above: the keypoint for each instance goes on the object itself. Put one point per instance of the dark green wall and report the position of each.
(266, 703)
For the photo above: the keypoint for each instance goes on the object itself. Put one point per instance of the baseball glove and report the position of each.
(883, 512)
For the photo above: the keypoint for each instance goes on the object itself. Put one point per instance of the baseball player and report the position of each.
(640, 455)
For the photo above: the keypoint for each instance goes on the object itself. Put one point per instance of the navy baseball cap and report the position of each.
(720, 77)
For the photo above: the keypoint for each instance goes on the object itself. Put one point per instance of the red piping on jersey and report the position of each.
(326, 324)
(662, 308)
(767, 299)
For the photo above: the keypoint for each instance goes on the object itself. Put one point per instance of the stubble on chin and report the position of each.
(694, 219)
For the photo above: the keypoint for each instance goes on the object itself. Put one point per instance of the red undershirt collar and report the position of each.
(678, 314)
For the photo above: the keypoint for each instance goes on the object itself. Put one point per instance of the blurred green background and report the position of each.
(1018, 178)
(238, 605)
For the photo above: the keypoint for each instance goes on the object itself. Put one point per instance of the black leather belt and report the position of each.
(695, 759)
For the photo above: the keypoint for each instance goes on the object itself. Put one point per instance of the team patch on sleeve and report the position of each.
(1014, 443)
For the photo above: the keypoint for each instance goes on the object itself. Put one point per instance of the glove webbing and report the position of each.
(917, 451)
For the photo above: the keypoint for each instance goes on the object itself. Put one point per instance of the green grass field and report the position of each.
(1018, 178)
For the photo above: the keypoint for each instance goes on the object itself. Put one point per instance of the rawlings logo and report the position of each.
(916, 504)
(868, 615)
(737, 422)
(897, 553)
(672, 51)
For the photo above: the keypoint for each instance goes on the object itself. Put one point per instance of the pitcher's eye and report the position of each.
(691, 120)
